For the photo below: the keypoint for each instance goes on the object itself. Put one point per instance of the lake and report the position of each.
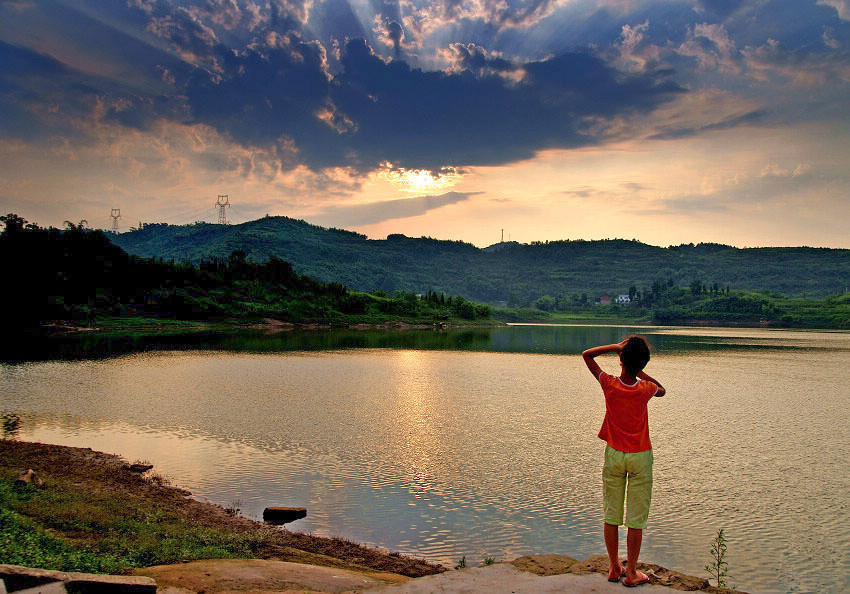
(477, 443)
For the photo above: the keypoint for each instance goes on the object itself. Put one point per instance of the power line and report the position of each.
(187, 216)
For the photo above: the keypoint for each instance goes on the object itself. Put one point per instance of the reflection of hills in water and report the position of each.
(566, 340)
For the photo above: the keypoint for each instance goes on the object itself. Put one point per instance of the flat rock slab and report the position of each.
(16, 578)
(259, 575)
(506, 578)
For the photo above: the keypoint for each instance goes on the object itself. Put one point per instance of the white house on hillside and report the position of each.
(623, 299)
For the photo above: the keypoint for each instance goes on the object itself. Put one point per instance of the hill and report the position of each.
(510, 274)
(79, 274)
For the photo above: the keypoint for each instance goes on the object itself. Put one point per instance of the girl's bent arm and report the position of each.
(590, 354)
(645, 376)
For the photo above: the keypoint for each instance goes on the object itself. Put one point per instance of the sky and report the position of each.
(668, 122)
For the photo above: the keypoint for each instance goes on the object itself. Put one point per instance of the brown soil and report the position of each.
(107, 474)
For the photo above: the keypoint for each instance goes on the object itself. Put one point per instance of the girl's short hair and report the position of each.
(635, 354)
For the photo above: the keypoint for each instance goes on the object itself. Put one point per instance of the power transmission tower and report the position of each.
(115, 214)
(222, 216)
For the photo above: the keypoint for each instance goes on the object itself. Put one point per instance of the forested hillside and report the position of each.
(76, 274)
(506, 274)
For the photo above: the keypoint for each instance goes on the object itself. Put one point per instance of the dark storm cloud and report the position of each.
(289, 14)
(25, 82)
(428, 119)
(271, 97)
(184, 30)
(223, 12)
(40, 96)
(376, 111)
(277, 94)
(475, 59)
(395, 32)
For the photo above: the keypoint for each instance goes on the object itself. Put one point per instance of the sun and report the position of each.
(418, 180)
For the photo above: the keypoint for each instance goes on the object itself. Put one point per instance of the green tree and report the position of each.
(545, 303)
(696, 287)
(13, 223)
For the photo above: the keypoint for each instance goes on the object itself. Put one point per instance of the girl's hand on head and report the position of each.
(622, 345)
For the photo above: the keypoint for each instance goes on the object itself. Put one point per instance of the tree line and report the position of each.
(79, 274)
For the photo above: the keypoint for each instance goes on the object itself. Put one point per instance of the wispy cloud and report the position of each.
(377, 212)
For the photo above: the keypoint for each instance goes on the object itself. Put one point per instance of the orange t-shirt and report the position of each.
(626, 424)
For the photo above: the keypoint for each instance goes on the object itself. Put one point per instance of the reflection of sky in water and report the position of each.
(443, 454)
(517, 338)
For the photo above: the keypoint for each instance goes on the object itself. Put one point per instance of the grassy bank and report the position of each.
(694, 306)
(92, 514)
(596, 315)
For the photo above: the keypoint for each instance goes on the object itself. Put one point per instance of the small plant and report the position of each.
(489, 560)
(158, 479)
(462, 563)
(718, 566)
(234, 508)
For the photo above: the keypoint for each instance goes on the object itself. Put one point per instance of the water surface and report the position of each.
(482, 442)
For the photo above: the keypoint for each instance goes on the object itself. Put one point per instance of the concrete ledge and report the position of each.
(17, 578)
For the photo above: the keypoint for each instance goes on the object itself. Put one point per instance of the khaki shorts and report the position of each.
(636, 470)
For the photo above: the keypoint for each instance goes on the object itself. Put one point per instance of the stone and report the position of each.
(23, 579)
(51, 588)
(139, 467)
(29, 478)
(264, 576)
(16, 577)
(90, 583)
(283, 515)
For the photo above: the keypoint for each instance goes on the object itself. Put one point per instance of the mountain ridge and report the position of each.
(507, 273)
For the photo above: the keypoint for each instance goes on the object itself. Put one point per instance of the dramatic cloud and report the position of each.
(186, 33)
(377, 212)
(841, 6)
(799, 67)
(712, 47)
(425, 18)
(391, 33)
(480, 62)
(307, 103)
(377, 111)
